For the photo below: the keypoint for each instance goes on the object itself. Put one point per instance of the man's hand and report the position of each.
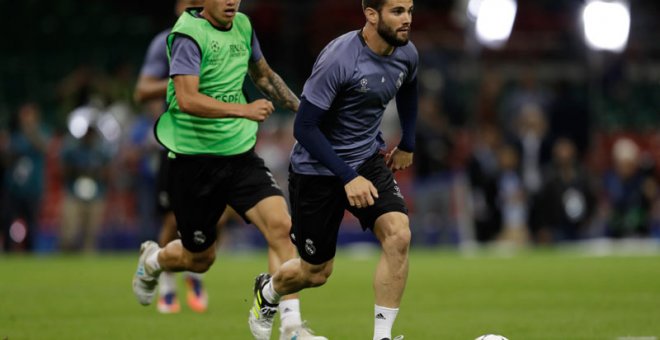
(259, 110)
(360, 192)
(398, 159)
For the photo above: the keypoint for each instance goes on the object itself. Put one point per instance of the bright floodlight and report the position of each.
(494, 21)
(606, 25)
(80, 120)
(473, 8)
(109, 127)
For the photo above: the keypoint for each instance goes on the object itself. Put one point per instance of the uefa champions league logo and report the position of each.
(363, 86)
(215, 46)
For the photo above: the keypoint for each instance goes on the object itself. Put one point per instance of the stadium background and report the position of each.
(464, 281)
(68, 54)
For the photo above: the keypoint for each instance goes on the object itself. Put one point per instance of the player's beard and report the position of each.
(389, 34)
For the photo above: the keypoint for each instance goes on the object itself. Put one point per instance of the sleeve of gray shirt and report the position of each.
(186, 57)
(325, 81)
(155, 62)
(414, 62)
(256, 48)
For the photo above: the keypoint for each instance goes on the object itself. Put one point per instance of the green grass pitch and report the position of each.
(532, 295)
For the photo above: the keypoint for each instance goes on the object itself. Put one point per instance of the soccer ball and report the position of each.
(491, 337)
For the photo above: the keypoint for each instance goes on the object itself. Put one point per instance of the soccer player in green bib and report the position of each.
(210, 130)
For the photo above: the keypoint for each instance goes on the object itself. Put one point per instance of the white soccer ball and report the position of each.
(491, 337)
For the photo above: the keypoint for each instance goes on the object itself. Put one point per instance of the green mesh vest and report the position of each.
(224, 64)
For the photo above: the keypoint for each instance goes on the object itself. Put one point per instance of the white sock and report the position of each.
(197, 276)
(167, 283)
(383, 320)
(290, 313)
(152, 263)
(269, 293)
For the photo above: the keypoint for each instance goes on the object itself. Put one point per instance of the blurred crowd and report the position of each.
(523, 146)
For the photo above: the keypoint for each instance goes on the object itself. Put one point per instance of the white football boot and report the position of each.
(145, 279)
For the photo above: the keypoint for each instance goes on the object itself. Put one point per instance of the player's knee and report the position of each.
(399, 239)
(317, 279)
(318, 275)
(278, 229)
(202, 262)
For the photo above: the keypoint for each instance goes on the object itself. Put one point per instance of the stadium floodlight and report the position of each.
(473, 9)
(494, 20)
(109, 126)
(80, 120)
(606, 24)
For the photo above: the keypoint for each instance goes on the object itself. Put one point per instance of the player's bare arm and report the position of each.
(148, 88)
(272, 85)
(398, 159)
(195, 103)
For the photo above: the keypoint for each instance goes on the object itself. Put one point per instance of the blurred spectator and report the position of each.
(629, 192)
(142, 156)
(24, 179)
(488, 96)
(432, 185)
(534, 147)
(569, 116)
(79, 87)
(433, 142)
(566, 201)
(118, 85)
(511, 198)
(483, 170)
(526, 92)
(5, 140)
(86, 169)
(4, 158)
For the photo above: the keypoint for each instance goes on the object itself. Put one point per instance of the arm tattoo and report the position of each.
(272, 85)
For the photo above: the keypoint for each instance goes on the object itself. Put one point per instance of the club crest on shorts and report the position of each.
(273, 182)
(199, 237)
(309, 247)
(397, 191)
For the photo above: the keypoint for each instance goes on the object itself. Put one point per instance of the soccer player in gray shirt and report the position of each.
(339, 161)
(152, 85)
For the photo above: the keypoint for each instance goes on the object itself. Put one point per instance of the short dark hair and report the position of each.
(375, 4)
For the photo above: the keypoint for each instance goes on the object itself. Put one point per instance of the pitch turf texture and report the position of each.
(532, 295)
